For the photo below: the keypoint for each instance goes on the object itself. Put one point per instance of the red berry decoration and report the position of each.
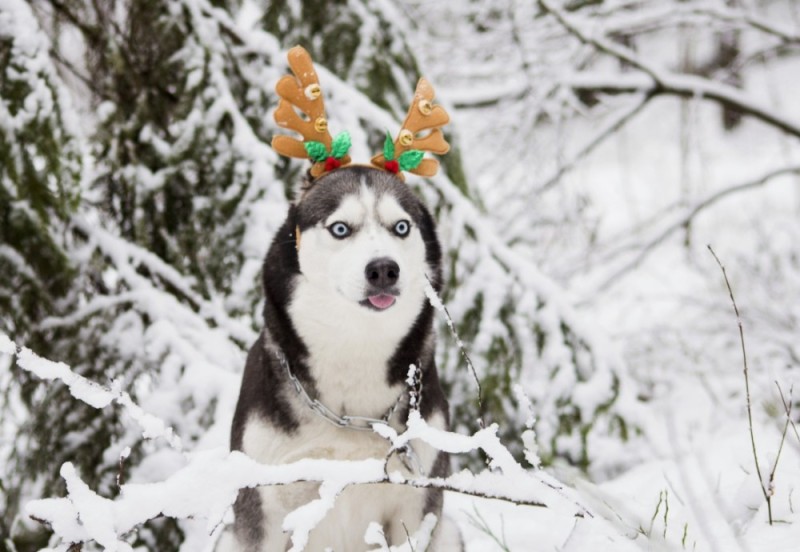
(332, 163)
(392, 166)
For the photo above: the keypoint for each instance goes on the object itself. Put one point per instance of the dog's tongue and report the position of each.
(381, 301)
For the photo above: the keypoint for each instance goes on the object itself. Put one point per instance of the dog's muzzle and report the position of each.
(382, 275)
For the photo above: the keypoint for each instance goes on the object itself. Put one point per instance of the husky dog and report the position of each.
(345, 315)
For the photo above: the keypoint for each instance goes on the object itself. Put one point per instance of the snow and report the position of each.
(561, 225)
(81, 388)
(224, 473)
(7, 347)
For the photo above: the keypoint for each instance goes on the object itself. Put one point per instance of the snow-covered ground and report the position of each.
(693, 484)
(700, 493)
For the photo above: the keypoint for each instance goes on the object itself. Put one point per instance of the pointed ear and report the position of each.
(281, 262)
(304, 187)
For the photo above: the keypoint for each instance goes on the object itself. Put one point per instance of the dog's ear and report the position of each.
(281, 262)
(308, 182)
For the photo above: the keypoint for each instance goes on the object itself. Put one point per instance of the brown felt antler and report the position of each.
(406, 151)
(302, 92)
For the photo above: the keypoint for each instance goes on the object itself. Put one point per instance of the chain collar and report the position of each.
(358, 423)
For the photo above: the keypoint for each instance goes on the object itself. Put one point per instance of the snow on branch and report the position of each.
(683, 219)
(83, 515)
(662, 81)
(660, 15)
(90, 392)
(606, 131)
(127, 257)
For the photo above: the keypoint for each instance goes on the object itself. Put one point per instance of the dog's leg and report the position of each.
(446, 537)
(406, 518)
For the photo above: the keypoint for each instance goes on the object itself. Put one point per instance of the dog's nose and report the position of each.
(382, 273)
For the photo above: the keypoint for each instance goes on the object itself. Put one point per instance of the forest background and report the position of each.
(599, 147)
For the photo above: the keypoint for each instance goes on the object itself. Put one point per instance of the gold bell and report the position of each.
(406, 137)
(313, 91)
(425, 107)
(321, 125)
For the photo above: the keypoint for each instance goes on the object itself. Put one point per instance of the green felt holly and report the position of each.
(340, 145)
(408, 160)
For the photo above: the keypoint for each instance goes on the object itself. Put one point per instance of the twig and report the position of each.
(767, 494)
(480, 523)
(787, 407)
(783, 439)
(439, 305)
(121, 471)
(408, 536)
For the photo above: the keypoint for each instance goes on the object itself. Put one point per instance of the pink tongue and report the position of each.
(381, 301)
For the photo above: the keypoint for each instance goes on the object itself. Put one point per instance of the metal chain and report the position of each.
(359, 423)
(408, 457)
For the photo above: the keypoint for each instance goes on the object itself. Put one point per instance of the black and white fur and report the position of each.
(347, 353)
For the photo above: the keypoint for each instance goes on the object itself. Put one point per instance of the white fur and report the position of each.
(350, 344)
(349, 348)
(343, 528)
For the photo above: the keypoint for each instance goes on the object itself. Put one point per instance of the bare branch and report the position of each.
(665, 82)
(783, 439)
(686, 218)
(437, 303)
(788, 409)
(607, 131)
(767, 494)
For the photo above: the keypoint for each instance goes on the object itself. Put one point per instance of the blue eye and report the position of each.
(402, 228)
(339, 230)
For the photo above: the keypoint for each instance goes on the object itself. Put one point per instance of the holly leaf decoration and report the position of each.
(341, 145)
(410, 159)
(388, 147)
(316, 151)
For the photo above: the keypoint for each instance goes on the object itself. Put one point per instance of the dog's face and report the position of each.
(367, 245)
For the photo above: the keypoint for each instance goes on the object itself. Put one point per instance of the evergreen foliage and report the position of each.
(40, 165)
(148, 280)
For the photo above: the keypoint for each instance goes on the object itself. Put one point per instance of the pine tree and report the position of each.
(156, 241)
(160, 259)
(40, 166)
(41, 162)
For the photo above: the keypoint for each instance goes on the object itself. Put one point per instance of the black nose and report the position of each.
(382, 273)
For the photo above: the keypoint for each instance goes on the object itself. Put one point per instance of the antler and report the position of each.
(422, 115)
(304, 93)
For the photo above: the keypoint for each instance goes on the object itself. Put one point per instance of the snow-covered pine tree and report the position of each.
(158, 244)
(40, 166)
(41, 161)
(182, 199)
(517, 321)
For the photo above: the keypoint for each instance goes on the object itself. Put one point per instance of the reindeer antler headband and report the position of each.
(404, 153)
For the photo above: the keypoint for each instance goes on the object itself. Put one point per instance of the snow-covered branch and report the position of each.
(83, 515)
(660, 81)
(609, 129)
(90, 392)
(661, 15)
(128, 258)
(685, 218)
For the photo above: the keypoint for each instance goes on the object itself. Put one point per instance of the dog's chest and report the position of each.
(353, 383)
(349, 356)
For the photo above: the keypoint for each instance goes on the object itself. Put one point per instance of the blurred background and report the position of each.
(599, 147)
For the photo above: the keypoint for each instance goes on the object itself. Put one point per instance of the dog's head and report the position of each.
(366, 246)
